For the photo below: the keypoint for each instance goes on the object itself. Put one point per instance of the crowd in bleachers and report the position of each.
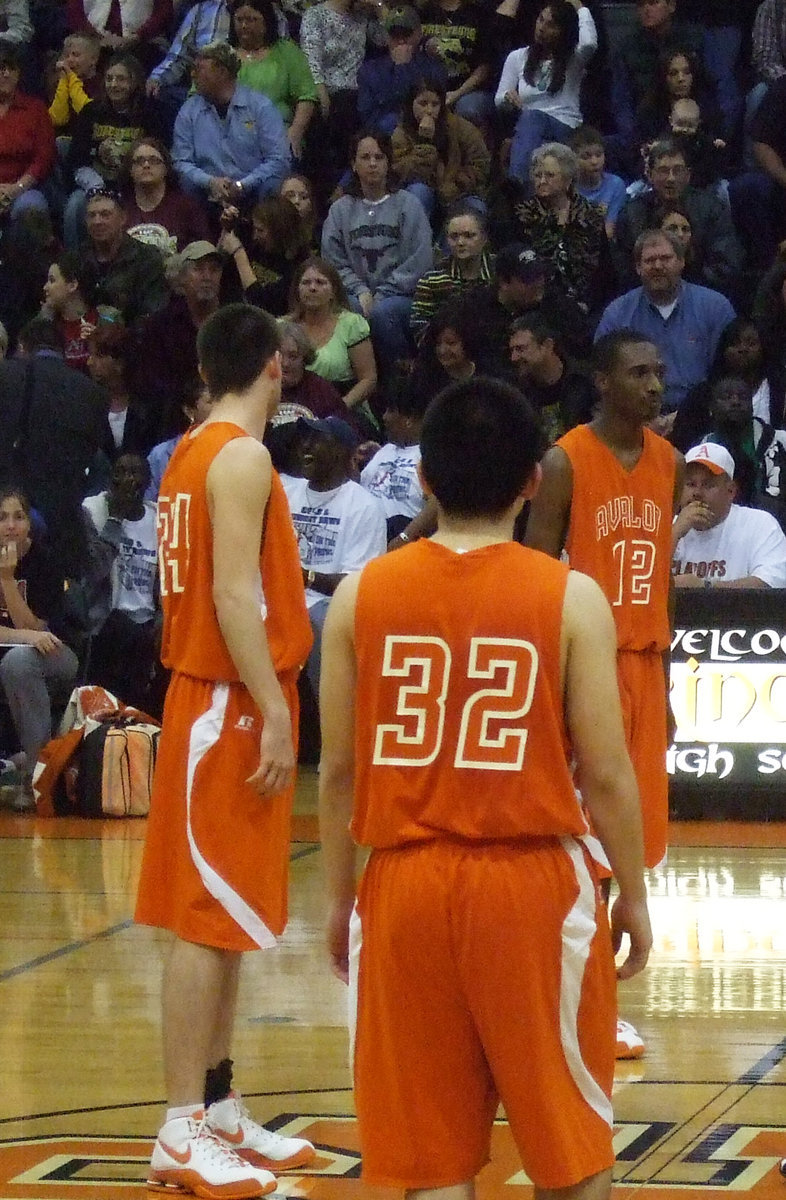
(418, 193)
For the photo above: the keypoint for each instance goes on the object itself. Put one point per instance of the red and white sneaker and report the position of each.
(629, 1044)
(188, 1157)
(231, 1121)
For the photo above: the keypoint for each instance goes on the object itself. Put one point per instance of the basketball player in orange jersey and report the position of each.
(461, 674)
(610, 490)
(214, 870)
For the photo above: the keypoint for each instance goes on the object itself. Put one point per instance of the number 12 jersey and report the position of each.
(620, 532)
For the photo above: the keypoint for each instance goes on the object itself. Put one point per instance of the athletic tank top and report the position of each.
(459, 725)
(620, 532)
(192, 641)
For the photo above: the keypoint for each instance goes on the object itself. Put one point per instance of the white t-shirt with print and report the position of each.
(392, 475)
(749, 542)
(134, 568)
(337, 531)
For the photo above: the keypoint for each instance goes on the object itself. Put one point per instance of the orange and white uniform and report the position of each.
(480, 950)
(620, 534)
(214, 869)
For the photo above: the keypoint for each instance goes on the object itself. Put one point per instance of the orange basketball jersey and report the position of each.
(192, 640)
(620, 532)
(459, 724)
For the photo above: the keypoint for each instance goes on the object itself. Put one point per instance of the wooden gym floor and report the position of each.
(81, 1095)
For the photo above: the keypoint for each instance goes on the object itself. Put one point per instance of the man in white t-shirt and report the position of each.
(717, 543)
(122, 583)
(339, 525)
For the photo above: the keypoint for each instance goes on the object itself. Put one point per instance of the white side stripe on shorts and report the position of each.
(578, 930)
(205, 732)
(355, 946)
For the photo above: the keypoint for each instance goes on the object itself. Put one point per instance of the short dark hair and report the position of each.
(480, 443)
(233, 346)
(10, 55)
(585, 135)
(40, 334)
(535, 324)
(606, 350)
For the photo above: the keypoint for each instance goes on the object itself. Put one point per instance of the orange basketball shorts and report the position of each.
(215, 863)
(485, 974)
(643, 695)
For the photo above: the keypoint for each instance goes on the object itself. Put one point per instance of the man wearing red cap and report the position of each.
(718, 543)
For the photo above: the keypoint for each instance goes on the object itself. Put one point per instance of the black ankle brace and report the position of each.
(218, 1082)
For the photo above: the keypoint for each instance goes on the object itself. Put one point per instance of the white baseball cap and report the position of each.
(712, 456)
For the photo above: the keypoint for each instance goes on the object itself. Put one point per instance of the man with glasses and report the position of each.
(716, 252)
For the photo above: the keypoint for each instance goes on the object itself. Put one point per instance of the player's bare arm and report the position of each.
(549, 512)
(238, 487)
(605, 773)
(337, 769)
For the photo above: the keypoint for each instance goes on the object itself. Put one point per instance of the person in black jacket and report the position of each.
(54, 421)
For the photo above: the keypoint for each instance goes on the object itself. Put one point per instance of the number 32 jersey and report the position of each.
(620, 532)
(459, 728)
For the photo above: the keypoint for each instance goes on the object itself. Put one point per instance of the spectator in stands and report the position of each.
(341, 337)
(379, 240)
(715, 251)
(54, 423)
(275, 66)
(78, 80)
(69, 304)
(3, 341)
(769, 314)
(195, 410)
(127, 25)
(525, 285)
(457, 34)
(758, 197)
(758, 450)
(469, 265)
(157, 212)
(768, 42)
(726, 27)
(129, 275)
(15, 26)
(454, 348)
(438, 156)
(542, 82)
(166, 374)
(37, 662)
(122, 583)
(229, 145)
(679, 76)
(27, 142)
(204, 23)
(720, 544)
(634, 66)
(339, 525)
(740, 353)
(391, 474)
(386, 80)
(562, 395)
(278, 247)
(704, 154)
(564, 228)
(298, 190)
(103, 134)
(593, 181)
(683, 320)
(130, 423)
(303, 392)
(334, 35)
